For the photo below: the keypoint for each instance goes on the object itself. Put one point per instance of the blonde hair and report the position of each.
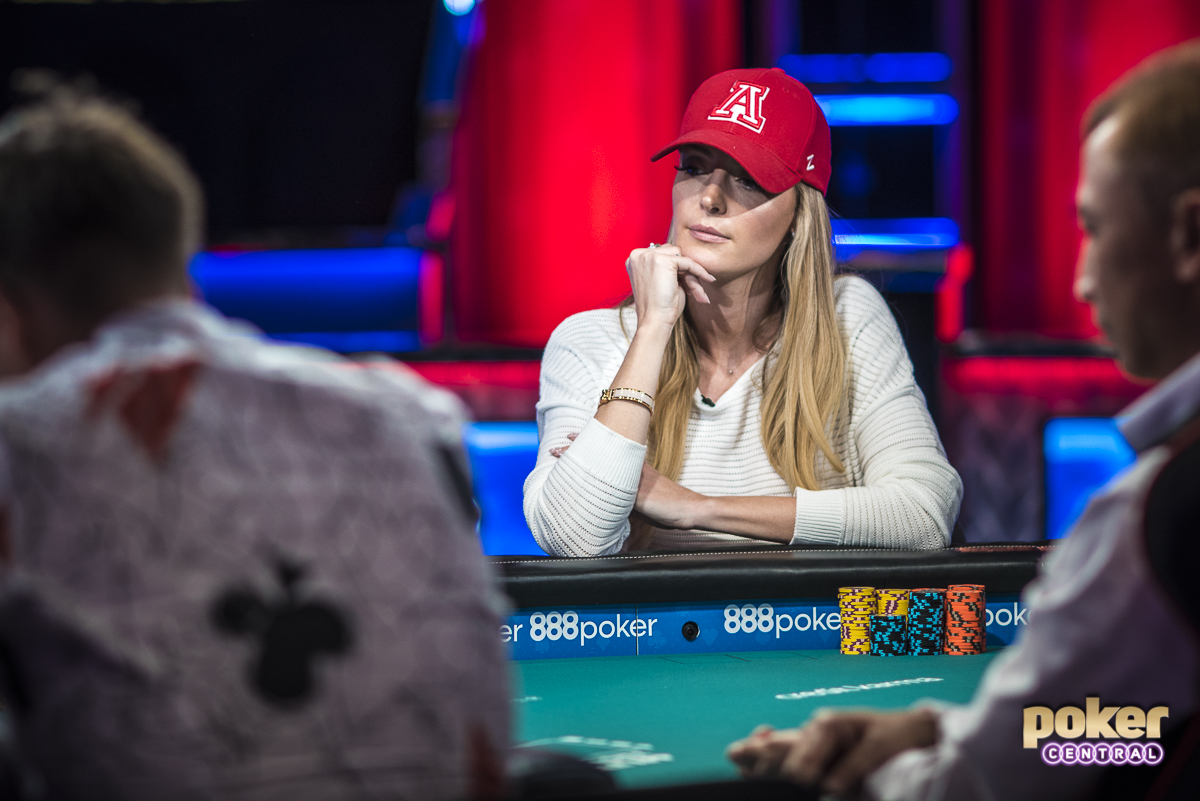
(805, 382)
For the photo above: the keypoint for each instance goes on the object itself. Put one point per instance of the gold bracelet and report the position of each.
(627, 394)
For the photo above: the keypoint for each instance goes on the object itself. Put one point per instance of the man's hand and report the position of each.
(836, 750)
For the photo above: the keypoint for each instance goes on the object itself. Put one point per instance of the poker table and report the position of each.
(649, 664)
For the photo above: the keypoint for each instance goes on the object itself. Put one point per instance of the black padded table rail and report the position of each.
(781, 572)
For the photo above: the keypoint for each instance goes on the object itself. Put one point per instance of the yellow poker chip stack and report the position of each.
(856, 605)
(892, 602)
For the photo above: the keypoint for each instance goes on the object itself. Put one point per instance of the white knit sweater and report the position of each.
(897, 489)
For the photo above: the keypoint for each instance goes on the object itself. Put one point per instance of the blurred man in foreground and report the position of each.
(227, 569)
(1105, 620)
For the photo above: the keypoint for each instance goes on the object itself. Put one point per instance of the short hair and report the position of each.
(96, 210)
(1158, 105)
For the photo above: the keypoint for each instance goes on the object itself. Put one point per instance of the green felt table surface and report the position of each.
(667, 719)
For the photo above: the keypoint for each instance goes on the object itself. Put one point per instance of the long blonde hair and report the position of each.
(803, 389)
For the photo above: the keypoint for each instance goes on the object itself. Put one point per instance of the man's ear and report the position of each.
(1185, 236)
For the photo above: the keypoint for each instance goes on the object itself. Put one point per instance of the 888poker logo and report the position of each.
(1095, 735)
(584, 631)
(732, 626)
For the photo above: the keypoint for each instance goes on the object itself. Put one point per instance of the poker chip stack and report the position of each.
(926, 621)
(965, 619)
(856, 605)
(892, 602)
(888, 635)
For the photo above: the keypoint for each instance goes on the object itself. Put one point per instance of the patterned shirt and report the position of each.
(241, 570)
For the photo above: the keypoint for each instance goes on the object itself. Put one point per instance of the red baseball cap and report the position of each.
(767, 121)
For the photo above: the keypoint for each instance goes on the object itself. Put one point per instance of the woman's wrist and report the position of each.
(646, 350)
(768, 518)
(701, 511)
(657, 327)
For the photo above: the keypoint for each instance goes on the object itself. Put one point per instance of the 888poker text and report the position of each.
(631, 629)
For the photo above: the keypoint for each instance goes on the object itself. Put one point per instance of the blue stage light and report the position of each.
(459, 7)
(346, 299)
(880, 67)
(813, 69)
(502, 455)
(905, 234)
(934, 109)
(354, 341)
(1082, 454)
(908, 67)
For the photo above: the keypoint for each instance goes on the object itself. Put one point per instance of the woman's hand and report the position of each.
(666, 504)
(660, 277)
(557, 452)
(660, 500)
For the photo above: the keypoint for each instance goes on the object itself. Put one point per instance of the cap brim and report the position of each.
(763, 166)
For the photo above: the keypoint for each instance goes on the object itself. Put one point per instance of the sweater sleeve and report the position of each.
(579, 504)
(909, 495)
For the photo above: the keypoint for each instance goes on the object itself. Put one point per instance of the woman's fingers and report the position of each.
(665, 254)
(640, 254)
(683, 264)
(662, 278)
(691, 285)
(556, 452)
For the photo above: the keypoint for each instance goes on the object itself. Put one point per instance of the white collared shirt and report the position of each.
(1099, 625)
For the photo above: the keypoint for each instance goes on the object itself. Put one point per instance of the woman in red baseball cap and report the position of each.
(744, 390)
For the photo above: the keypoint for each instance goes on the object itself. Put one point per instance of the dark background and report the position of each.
(296, 114)
(868, 26)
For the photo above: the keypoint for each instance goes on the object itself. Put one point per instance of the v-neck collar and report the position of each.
(735, 388)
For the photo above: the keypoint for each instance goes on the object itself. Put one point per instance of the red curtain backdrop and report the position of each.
(1042, 63)
(564, 105)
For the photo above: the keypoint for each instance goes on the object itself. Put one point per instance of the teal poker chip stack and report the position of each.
(888, 635)
(926, 622)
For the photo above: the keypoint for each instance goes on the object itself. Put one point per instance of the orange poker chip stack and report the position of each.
(966, 610)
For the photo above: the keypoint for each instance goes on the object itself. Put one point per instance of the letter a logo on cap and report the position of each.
(743, 106)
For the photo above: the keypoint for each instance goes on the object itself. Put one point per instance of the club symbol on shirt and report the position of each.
(291, 632)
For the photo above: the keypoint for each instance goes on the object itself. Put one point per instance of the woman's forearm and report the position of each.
(762, 518)
(669, 505)
(579, 504)
(639, 371)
